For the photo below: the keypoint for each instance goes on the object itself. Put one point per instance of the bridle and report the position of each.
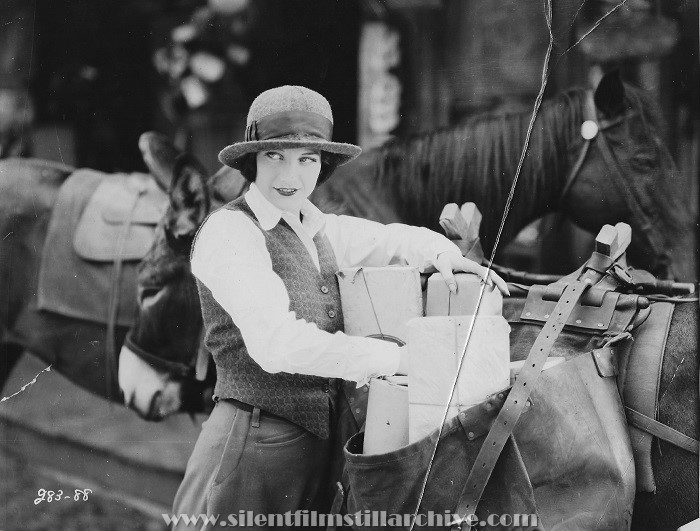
(592, 130)
(174, 368)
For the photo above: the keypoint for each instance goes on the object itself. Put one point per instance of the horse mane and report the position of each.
(457, 164)
(477, 160)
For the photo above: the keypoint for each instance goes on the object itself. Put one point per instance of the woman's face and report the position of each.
(286, 177)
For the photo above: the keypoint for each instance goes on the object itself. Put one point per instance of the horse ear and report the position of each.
(610, 94)
(159, 155)
(189, 201)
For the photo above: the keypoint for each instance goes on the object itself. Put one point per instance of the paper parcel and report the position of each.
(379, 301)
(439, 300)
(386, 428)
(435, 345)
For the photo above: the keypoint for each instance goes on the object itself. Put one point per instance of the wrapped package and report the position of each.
(440, 301)
(386, 428)
(435, 345)
(379, 301)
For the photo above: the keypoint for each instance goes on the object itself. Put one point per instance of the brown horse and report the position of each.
(626, 175)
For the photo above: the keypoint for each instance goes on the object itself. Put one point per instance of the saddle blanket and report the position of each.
(83, 240)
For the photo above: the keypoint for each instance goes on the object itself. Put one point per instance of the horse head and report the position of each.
(157, 362)
(621, 171)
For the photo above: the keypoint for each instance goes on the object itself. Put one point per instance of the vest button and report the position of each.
(324, 289)
(325, 388)
(331, 313)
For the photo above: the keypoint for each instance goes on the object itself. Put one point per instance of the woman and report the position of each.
(265, 266)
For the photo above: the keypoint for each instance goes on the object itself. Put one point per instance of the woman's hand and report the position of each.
(450, 261)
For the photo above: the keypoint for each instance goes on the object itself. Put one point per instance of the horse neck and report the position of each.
(545, 166)
(477, 162)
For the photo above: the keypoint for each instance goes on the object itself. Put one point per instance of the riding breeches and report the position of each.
(251, 461)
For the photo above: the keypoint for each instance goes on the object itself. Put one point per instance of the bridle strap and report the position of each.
(575, 169)
(618, 170)
(171, 367)
(589, 115)
(629, 195)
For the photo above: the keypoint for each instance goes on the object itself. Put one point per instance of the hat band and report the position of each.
(289, 123)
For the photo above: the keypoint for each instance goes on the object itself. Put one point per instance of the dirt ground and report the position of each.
(19, 484)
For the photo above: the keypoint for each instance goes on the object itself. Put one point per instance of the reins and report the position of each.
(114, 290)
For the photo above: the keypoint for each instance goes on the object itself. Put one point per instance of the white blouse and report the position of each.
(230, 258)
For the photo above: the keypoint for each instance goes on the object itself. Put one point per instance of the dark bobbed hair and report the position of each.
(249, 168)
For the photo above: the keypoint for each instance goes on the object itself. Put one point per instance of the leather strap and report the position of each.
(663, 432)
(575, 169)
(589, 114)
(174, 368)
(517, 399)
(630, 196)
(114, 290)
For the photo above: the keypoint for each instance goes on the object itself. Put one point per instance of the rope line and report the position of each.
(506, 210)
(371, 302)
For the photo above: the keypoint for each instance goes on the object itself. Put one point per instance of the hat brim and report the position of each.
(231, 155)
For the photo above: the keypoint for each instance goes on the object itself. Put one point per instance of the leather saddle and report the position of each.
(119, 220)
(101, 226)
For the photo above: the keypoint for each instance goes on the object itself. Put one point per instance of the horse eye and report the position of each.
(146, 293)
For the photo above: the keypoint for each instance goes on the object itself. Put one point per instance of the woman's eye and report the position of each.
(273, 155)
(309, 160)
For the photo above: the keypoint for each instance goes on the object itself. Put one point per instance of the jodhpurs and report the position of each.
(251, 461)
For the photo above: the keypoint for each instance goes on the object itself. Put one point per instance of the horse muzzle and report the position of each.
(153, 395)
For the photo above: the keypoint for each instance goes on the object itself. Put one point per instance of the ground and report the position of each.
(18, 490)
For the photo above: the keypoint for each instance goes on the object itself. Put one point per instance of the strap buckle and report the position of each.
(621, 274)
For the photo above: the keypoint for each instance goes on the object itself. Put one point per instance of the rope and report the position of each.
(371, 302)
(506, 210)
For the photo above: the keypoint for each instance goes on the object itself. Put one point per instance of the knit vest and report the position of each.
(314, 296)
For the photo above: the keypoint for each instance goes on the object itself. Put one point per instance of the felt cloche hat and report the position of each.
(288, 117)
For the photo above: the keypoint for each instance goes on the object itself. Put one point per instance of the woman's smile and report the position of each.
(286, 191)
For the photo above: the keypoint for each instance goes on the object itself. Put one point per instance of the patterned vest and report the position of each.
(314, 296)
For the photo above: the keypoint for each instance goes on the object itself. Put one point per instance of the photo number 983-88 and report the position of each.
(54, 496)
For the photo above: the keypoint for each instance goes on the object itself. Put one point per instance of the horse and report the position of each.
(627, 175)
(405, 180)
(408, 170)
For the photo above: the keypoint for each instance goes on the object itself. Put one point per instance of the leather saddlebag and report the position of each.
(568, 460)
